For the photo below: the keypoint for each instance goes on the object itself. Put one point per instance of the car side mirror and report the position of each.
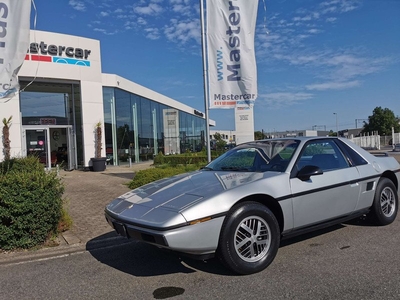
(307, 171)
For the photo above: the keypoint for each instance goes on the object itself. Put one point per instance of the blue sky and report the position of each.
(314, 58)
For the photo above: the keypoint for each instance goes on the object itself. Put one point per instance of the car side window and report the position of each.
(324, 154)
(356, 159)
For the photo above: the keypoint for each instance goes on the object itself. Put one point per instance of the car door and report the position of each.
(331, 194)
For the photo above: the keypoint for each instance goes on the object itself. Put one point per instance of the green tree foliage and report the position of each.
(220, 143)
(331, 133)
(382, 121)
(150, 175)
(6, 137)
(258, 135)
(98, 138)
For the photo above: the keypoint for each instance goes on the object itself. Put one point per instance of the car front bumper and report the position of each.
(198, 239)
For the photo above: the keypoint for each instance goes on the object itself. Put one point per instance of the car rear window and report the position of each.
(356, 159)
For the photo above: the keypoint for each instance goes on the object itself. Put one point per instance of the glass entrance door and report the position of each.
(53, 145)
(37, 144)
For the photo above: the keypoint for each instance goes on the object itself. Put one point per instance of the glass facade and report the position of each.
(53, 108)
(49, 103)
(137, 128)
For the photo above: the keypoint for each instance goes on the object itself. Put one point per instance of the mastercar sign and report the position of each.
(58, 54)
(231, 59)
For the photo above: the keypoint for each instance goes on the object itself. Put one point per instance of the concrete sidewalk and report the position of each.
(86, 195)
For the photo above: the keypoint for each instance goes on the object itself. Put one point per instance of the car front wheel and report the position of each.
(249, 239)
(385, 205)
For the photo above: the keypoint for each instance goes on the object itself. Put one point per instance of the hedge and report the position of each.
(197, 158)
(30, 203)
(146, 176)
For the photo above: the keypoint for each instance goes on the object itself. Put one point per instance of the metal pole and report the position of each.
(337, 129)
(205, 79)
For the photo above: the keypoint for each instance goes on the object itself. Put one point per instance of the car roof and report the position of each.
(303, 138)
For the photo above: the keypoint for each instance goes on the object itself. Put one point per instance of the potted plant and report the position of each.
(98, 162)
(6, 138)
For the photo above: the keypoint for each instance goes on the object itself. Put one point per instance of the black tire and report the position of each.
(260, 244)
(386, 202)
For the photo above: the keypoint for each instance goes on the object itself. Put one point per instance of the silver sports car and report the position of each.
(244, 202)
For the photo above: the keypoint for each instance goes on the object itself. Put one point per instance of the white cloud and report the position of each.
(344, 59)
(314, 31)
(340, 6)
(77, 5)
(333, 85)
(106, 32)
(104, 14)
(129, 25)
(152, 33)
(183, 31)
(141, 21)
(297, 19)
(152, 9)
(182, 9)
(347, 66)
(179, 2)
(331, 19)
(285, 98)
(299, 59)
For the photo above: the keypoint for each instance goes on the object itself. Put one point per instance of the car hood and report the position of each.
(178, 192)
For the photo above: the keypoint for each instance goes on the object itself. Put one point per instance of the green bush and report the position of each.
(197, 158)
(30, 203)
(146, 176)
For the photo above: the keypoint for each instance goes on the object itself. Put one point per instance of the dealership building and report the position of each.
(64, 95)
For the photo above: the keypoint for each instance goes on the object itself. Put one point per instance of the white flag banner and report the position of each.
(232, 71)
(14, 42)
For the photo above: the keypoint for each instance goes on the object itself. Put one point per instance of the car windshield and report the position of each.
(258, 156)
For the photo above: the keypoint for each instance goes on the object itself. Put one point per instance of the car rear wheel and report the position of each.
(249, 239)
(385, 205)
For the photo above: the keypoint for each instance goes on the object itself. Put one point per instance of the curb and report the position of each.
(62, 250)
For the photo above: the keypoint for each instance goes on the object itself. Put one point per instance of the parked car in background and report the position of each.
(243, 203)
(396, 147)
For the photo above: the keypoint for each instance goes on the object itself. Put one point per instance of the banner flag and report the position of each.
(14, 42)
(232, 71)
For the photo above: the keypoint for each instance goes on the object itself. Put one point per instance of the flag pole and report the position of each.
(205, 79)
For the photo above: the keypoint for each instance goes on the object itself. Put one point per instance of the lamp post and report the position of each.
(337, 129)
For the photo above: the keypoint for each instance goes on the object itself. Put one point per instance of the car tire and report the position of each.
(249, 238)
(385, 205)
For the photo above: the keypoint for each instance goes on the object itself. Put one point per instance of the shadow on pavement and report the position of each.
(141, 259)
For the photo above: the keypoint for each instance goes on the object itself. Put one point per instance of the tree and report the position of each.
(220, 143)
(258, 135)
(6, 138)
(98, 138)
(331, 133)
(382, 121)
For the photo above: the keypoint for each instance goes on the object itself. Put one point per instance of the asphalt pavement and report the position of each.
(86, 195)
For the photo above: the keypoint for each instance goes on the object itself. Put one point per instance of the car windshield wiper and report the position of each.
(235, 168)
